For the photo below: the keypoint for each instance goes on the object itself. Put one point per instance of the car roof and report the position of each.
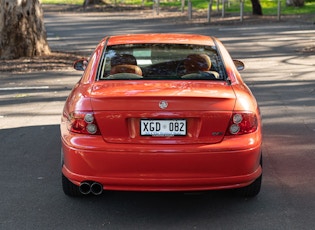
(161, 38)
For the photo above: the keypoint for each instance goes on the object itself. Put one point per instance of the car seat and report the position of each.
(124, 63)
(195, 63)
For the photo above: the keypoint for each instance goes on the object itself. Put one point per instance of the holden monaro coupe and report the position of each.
(161, 112)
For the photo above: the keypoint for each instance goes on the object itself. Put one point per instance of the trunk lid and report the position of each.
(123, 109)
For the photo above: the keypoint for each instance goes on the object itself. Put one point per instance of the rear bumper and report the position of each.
(170, 184)
(163, 167)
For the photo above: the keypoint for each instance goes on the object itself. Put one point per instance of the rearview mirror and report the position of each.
(80, 64)
(239, 65)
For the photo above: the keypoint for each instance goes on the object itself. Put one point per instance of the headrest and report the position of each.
(197, 62)
(121, 59)
(126, 69)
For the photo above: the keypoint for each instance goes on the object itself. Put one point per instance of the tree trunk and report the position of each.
(91, 2)
(22, 29)
(295, 3)
(256, 7)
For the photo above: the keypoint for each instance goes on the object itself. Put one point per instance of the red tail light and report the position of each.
(242, 123)
(83, 123)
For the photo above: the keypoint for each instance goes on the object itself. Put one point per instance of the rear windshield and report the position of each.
(161, 62)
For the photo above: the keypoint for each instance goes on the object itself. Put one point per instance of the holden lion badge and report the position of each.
(163, 104)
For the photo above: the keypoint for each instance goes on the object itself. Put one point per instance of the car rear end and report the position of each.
(161, 132)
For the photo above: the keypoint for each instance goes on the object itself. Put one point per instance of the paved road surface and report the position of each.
(281, 77)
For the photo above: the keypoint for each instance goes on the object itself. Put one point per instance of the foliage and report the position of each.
(269, 6)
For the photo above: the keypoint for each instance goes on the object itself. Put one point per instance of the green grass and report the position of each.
(72, 2)
(269, 7)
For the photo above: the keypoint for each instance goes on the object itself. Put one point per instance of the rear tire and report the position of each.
(69, 188)
(253, 189)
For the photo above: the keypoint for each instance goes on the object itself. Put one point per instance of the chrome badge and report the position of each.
(163, 104)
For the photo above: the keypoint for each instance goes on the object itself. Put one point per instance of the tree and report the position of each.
(22, 30)
(256, 7)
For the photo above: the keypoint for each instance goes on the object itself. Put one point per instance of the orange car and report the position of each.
(161, 112)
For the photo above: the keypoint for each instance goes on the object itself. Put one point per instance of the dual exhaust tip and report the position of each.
(87, 187)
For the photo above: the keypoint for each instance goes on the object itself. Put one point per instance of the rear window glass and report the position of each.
(160, 62)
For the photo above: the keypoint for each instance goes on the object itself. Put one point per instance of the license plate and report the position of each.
(163, 127)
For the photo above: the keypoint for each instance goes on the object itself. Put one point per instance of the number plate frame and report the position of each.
(163, 127)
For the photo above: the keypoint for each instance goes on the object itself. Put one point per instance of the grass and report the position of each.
(269, 7)
(71, 2)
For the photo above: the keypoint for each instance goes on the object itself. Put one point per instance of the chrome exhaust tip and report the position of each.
(96, 188)
(85, 188)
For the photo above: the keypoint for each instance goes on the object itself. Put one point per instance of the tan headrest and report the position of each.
(121, 59)
(197, 62)
(126, 69)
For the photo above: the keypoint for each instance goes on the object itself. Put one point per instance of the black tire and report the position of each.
(69, 188)
(253, 189)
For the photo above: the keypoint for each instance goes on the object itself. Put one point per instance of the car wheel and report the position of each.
(253, 189)
(69, 188)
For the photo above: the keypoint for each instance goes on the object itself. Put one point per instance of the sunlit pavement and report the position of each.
(280, 72)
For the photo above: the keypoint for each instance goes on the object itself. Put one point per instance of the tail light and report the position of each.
(242, 123)
(83, 123)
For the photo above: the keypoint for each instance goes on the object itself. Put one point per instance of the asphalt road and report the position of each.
(281, 77)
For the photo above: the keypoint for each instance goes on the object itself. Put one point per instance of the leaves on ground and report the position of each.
(54, 61)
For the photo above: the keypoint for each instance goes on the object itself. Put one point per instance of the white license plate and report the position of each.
(163, 127)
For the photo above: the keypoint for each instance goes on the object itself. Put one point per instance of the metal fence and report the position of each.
(215, 7)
